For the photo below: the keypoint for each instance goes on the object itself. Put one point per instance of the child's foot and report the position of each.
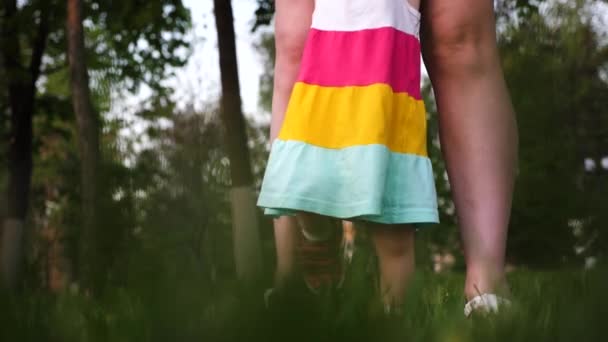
(290, 293)
(319, 260)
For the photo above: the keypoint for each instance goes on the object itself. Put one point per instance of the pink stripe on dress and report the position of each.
(360, 58)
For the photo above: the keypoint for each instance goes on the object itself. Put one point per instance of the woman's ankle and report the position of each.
(478, 283)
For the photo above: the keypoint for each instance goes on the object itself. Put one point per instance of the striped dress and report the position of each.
(353, 142)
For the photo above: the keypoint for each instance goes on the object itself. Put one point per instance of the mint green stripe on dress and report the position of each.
(366, 182)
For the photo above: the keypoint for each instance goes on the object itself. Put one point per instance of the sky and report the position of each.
(198, 82)
(197, 85)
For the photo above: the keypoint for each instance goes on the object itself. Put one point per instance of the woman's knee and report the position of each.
(459, 36)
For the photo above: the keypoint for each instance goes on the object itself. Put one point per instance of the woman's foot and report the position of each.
(486, 303)
(489, 297)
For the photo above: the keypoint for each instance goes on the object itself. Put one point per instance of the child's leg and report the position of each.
(292, 22)
(395, 250)
(285, 236)
(309, 241)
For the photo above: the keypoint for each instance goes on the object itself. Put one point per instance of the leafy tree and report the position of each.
(134, 42)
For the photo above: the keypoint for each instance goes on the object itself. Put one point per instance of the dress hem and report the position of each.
(366, 211)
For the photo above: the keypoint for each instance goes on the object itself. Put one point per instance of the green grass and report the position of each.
(162, 302)
(551, 306)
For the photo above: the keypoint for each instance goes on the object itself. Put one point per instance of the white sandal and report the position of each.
(485, 303)
(267, 295)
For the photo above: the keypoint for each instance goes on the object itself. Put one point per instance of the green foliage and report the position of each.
(264, 13)
(520, 8)
(553, 68)
(137, 41)
(266, 48)
(129, 43)
(182, 182)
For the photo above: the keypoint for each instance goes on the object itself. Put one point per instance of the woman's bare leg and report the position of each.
(292, 23)
(477, 128)
(394, 246)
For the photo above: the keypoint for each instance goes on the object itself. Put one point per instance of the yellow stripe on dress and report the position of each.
(339, 117)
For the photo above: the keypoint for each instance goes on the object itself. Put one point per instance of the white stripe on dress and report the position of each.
(356, 15)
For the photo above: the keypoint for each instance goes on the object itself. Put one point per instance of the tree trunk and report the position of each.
(244, 219)
(88, 139)
(21, 93)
